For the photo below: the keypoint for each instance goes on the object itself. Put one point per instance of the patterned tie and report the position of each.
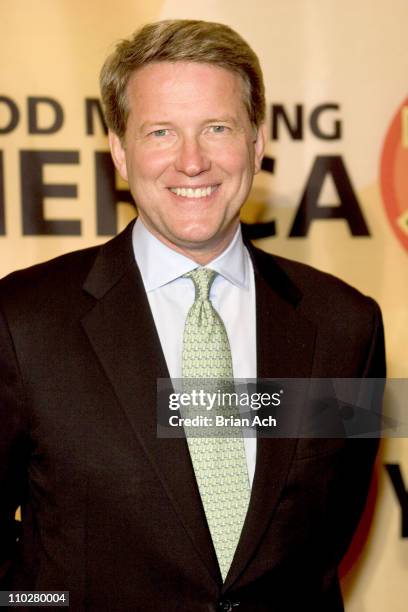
(219, 462)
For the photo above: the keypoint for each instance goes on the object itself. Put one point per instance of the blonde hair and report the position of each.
(173, 41)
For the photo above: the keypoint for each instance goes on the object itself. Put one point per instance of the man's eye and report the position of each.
(218, 129)
(159, 133)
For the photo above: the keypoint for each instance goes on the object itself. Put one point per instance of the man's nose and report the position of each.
(191, 158)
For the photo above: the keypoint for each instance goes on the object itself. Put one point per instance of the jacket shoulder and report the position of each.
(349, 328)
(317, 290)
(66, 275)
(59, 273)
(340, 312)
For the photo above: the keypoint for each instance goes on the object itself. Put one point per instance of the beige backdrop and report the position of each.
(353, 55)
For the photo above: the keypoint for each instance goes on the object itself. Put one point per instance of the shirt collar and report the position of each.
(159, 264)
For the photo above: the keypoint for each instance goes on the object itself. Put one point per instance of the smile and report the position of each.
(189, 192)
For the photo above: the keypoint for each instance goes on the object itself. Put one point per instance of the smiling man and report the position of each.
(120, 518)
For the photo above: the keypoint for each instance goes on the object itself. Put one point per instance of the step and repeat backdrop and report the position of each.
(333, 191)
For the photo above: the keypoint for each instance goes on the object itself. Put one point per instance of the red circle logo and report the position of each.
(394, 174)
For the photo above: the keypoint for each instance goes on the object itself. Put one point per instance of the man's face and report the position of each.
(189, 154)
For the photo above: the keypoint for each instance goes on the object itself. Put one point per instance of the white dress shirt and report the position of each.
(171, 296)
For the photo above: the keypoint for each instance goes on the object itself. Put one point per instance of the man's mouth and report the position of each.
(195, 193)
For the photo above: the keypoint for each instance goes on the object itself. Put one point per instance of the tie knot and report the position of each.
(202, 279)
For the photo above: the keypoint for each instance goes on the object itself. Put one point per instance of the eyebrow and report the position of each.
(150, 124)
(222, 119)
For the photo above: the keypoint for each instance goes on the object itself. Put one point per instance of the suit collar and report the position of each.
(116, 257)
(272, 274)
(113, 261)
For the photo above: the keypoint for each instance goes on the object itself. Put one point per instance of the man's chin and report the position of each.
(199, 239)
(203, 243)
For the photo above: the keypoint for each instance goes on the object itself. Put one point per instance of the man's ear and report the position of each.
(118, 154)
(259, 145)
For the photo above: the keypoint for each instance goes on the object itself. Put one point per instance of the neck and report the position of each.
(200, 253)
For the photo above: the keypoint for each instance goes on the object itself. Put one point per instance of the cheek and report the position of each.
(236, 163)
(148, 165)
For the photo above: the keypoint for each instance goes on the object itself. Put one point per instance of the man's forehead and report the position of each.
(190, 86)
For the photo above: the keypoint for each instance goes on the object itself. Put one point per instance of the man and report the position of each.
(111, 512)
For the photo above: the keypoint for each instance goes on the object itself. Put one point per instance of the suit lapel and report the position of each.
(122, 332)
(285, 348)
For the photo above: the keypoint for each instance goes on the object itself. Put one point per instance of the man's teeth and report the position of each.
(200, 192)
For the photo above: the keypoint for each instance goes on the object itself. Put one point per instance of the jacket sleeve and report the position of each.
(13, 452)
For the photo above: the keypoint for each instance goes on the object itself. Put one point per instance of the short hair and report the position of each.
(180, 40)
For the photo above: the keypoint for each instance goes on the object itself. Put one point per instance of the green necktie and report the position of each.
(219, 462)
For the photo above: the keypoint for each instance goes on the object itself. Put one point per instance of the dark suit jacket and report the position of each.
(112, 513)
